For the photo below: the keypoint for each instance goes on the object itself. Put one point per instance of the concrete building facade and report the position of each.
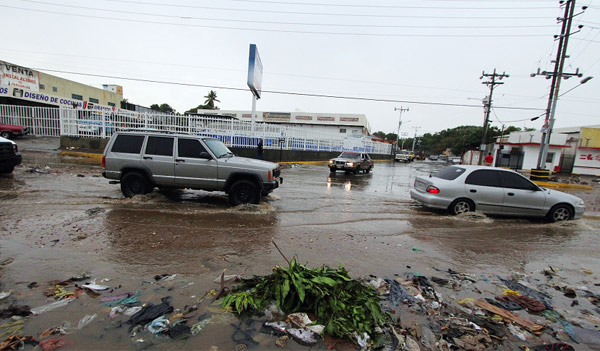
(343, 124)
(24, 86)
(573, 150)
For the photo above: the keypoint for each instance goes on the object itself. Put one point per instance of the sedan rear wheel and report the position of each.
(461, 206)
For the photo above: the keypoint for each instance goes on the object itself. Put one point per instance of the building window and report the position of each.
(42, 86)
(77, 97)
(111, 104)
(354, 131)
(94, 100)
(54, 89)
(550, 157)
(342, 130)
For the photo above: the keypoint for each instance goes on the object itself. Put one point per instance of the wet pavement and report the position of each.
(60, 218)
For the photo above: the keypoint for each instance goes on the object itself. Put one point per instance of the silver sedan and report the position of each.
(460, 189)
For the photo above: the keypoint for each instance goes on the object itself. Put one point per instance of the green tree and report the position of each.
(164, 108)
(210, 100)
(458, 139)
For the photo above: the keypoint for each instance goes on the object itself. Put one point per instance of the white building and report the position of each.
(572, 150)
(520, 150)
(341, 124)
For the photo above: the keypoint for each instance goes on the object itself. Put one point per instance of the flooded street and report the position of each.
(65, 219)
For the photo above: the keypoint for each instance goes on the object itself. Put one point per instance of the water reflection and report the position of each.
(348, 181)
(186, 237)
(497, 240)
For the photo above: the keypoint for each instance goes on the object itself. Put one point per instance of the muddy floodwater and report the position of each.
(60, 218)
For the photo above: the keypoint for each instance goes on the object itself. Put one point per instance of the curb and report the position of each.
(82, 154)
(560, 185)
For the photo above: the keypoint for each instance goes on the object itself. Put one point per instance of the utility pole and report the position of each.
(415, 139)
(487, 104)
(556, 76)
(401, 109)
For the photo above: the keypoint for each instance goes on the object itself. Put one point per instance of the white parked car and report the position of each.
(455, 160)
(460, 189)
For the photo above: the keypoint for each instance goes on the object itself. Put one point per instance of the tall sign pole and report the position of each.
(401, 109)
(255, 70)
(415, 139)
(556, 75)
(487, 105)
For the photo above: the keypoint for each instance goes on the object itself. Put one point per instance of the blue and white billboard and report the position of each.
(255, 70)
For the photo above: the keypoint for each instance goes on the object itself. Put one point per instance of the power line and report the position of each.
(282, 92)
(529, 98)
(280, 30)
(317, 13)
(389, 6)
(280, 22)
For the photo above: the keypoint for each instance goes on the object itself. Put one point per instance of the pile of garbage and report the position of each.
(421, 313)
(448, 310)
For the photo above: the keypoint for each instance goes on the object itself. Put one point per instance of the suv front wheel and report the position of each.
(135, 183)
(244, 192)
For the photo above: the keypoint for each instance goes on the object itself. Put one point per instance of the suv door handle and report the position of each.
(510, 194)
(147, 158)
(179, 160)
(473, 190)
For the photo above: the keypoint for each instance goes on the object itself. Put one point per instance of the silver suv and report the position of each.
(142, 160)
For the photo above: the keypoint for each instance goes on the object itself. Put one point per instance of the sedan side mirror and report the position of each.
(205, 155)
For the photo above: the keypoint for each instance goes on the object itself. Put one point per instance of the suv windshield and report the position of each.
(218, 148)
(349, 155)
(450, 173)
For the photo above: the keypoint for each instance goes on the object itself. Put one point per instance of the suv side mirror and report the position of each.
(205, 155)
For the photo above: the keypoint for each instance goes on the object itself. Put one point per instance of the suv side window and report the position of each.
(515, 181)
(128, 144)
(160, 146)
(189, 148)
(484, 177)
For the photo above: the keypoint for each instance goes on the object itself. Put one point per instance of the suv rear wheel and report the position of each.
(135, 183)
(7, 170)
(244, 192)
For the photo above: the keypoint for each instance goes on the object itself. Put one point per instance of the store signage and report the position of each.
(349, 119)
(323, 118)
(19, 77)
(255, 71)
(304, 118)
(14, 92)
(277, 116)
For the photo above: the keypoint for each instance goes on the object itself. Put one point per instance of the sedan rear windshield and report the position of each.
(450, 173)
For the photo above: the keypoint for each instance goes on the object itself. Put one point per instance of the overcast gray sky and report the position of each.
(429, 51)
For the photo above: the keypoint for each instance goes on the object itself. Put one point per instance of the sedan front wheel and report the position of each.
(560, 213)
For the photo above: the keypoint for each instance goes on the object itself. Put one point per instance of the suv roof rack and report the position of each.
(151, 131)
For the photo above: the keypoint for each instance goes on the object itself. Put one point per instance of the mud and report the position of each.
(60, 218)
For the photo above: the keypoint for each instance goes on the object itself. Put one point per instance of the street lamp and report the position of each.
(583, 81)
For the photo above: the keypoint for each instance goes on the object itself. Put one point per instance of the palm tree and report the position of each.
(210, 99)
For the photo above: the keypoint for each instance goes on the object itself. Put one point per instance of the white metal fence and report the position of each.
(45, 121)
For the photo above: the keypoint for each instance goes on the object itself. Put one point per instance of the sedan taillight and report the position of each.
(432, 190)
